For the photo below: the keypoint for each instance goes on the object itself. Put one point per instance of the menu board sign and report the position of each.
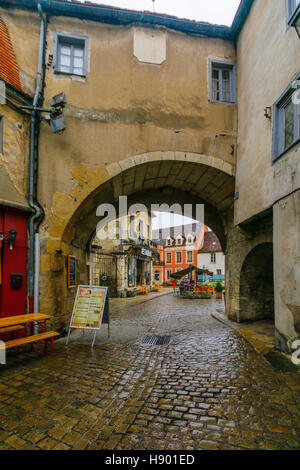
(89, 307)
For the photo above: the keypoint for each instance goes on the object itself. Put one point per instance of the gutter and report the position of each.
(119, 16)
(240, 17)
(34, 242)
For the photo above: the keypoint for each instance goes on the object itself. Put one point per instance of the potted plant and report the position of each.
(219, 289)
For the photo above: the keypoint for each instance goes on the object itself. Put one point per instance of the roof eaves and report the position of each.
(114, 15)
(240, 17)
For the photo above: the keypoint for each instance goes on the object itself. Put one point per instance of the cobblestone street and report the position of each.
(207, 389)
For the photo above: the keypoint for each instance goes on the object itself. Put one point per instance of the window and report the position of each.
(168, 242)
(213, 257)
(189, 257)
(291, 6)
(178, 257)
(169, 258)
(141, 229)
(70, 54)
(219, 272)
(132, 233)
(222, 82)
(179, 240)
(168, 274)
(1, 134)
(286, 130)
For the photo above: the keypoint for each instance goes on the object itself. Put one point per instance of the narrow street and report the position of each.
(206, 389)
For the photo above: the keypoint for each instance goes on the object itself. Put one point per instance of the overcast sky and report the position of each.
(213, 11)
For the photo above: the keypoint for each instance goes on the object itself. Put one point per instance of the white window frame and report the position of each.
(71, 40)
(220, 66)
(177, 253)
(168, 253)
(187, 256)
(168, 273)
(213, 258)
(179, 240)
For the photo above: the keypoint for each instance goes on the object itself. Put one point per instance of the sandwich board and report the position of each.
(91, 309)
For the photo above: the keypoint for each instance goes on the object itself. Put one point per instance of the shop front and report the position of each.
(139, 267)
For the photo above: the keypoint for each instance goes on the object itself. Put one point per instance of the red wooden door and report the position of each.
(13, 261)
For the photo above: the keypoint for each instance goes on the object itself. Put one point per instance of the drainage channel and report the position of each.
(154, 340)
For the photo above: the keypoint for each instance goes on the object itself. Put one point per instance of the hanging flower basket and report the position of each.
(104, 280)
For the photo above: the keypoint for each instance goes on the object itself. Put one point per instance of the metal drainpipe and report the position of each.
(34, 240)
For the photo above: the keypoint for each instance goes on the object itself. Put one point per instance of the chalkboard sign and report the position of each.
(71, 271)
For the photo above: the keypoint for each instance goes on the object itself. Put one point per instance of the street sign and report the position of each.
(91, 309)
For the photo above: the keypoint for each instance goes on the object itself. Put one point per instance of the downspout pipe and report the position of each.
(31, 196)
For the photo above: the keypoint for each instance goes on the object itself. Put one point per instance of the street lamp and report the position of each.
(295, 20)
(55, 117)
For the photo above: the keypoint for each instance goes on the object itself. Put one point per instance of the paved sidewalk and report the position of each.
(260, 334)
(207, 389)
(119, 304)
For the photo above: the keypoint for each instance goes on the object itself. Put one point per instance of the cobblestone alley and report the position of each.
(206, 389)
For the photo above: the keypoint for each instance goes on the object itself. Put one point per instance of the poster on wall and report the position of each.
(71, 271)
(90, 309)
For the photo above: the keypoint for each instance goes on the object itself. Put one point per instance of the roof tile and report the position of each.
(9, 70)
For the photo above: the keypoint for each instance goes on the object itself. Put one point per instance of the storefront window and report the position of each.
(147, 272)
(131, 272)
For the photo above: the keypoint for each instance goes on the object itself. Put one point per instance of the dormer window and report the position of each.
(178, 241)
(190, 239)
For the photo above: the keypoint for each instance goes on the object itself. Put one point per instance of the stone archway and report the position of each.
(157, 177)
(257, 285)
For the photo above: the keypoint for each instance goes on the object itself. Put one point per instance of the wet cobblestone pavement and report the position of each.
(207, 389)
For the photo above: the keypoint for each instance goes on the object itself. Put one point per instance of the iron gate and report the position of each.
(106, 264)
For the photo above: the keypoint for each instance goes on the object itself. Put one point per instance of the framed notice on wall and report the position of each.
(90, 309)
(71, 271)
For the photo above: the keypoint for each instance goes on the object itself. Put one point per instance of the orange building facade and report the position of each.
(176, 249)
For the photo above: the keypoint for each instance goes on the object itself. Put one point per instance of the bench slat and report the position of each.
(17, 319)
(30, 339)
(11, 328)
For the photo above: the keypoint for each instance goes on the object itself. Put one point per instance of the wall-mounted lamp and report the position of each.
(268, 111)
(295, 20)
(11, 238)
(54, 115)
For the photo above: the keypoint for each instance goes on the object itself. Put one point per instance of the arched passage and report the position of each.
(257, 284)
(167, 177)
(157, 182)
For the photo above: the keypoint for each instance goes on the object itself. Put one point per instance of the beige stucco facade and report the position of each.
(141, 124)
(268, 61)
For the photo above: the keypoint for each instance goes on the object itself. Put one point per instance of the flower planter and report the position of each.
(218, 295)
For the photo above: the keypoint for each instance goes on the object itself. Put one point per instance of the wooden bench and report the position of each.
(49, 335)
(11, 328)
(13, 323)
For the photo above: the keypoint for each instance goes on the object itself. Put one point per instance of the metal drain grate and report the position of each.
(153, 340)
